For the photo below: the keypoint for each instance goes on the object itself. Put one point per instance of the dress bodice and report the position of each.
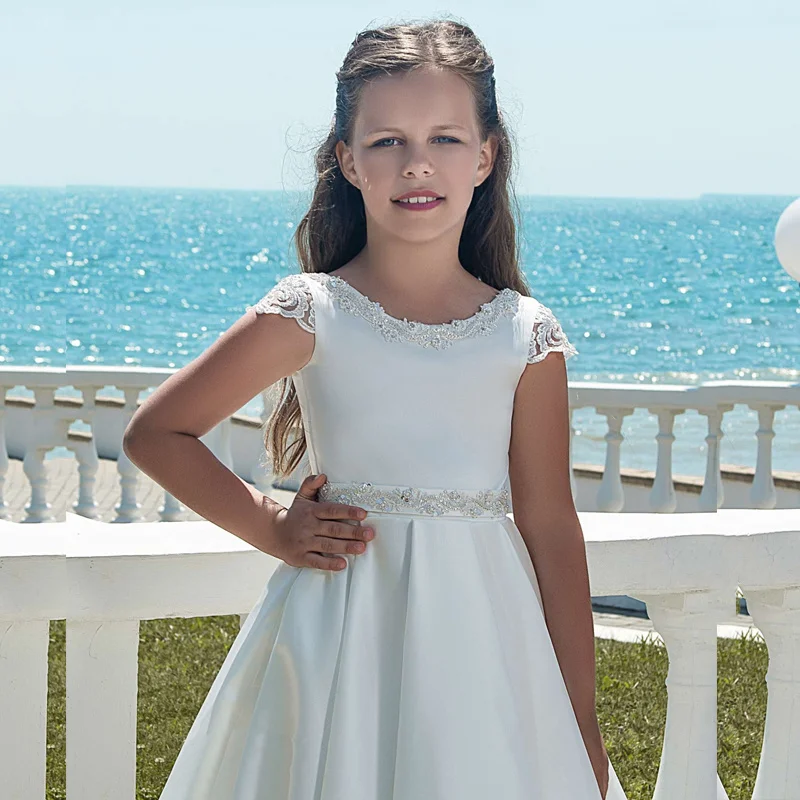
(398, 402)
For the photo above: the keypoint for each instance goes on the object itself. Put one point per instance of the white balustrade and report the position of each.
(686, 568)
(39, 427)
(104, 580)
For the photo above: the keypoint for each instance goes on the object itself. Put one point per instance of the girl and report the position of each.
(415, 642)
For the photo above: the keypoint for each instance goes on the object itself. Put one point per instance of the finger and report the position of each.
(330, 546)
(321, 561)
(344, 530)
(311, 485)
(339, 511)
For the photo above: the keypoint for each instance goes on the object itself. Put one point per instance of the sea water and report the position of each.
(649, 291)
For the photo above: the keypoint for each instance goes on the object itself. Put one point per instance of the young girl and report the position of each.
(415, 642)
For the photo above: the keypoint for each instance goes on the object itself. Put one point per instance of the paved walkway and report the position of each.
(63, 478)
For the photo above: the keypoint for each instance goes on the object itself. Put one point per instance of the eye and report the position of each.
(394, 139)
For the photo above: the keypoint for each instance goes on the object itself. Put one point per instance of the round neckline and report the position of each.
(453, 323)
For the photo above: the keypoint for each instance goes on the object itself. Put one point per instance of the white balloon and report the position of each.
(787, 239)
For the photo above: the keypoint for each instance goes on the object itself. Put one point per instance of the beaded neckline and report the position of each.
(342, 285)
(426, 334)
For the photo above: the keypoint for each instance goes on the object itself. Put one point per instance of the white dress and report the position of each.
(423, 670)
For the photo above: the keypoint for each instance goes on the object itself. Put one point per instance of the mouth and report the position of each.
(418, 205)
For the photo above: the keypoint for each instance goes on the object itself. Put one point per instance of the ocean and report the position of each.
(650, 291)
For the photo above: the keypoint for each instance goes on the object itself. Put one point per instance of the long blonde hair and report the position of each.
(334, 230)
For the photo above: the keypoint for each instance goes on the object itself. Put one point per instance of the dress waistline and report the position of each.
(388, 499)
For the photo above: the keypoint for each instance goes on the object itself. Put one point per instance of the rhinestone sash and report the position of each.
(383, 498)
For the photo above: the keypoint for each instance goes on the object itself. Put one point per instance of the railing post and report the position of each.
(88, 460)
(663, 497)
(611, 495)
(88, 465)
(23, 708)
(762, 492)
(688, 625)
(50, 430)
(102, 682)
(712, 495)
(776, 613)
(172, 510)
(38, 510)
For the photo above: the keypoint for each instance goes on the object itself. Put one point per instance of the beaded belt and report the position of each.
(383, 498)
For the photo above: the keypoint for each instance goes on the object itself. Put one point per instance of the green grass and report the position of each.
(178, 659)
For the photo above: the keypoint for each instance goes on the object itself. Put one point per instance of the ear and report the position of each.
(344, 155)
(486, 159)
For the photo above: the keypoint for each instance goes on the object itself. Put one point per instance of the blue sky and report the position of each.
(617, 98)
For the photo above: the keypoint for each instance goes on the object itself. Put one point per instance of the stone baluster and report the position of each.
(776, 613)
(663, 497)
(88, 466)
(128, 510)
(762, 492)
(611, 495)
(688, 625)
(38, 510)
(712, 495)
(48, 431)
(88, 461)
(172, 510)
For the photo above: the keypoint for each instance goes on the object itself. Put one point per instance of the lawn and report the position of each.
(178, 659)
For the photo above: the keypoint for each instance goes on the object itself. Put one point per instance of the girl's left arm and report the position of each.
(544, 512)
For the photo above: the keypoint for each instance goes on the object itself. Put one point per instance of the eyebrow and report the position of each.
(447, 126)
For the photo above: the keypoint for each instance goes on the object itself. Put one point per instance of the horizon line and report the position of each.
(80, 186)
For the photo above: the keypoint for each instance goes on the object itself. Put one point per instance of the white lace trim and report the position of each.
(438, 335)
(547, 336)
(435, 502)
(290, 297)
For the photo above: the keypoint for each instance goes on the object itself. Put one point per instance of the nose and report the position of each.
(418, 163)
(411, 170)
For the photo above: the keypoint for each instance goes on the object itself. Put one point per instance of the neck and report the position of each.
(406, 268)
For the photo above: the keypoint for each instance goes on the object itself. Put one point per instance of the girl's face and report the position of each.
(416, 131)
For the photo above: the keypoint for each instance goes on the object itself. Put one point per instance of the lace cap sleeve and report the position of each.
(547, 337)
(290, 297)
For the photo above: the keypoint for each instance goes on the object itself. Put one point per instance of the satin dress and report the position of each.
(423, 670)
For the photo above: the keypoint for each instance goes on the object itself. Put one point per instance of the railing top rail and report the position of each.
(80, 537)
(582, 393)
(87, 569)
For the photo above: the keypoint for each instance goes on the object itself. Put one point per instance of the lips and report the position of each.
(409, 195)
(425, 206)
(418, 200)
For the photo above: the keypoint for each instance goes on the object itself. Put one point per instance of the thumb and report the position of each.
(311, 484)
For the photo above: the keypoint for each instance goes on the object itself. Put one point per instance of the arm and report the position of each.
(545, 514)
(162, 438)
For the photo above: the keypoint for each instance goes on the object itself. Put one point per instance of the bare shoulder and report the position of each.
(273, 339)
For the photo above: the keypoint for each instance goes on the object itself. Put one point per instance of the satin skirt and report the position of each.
(422, 671)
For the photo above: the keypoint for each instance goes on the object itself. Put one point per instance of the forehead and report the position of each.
(424, 97)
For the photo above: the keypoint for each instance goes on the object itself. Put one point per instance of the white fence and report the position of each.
(28, 430)
(104, 578)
